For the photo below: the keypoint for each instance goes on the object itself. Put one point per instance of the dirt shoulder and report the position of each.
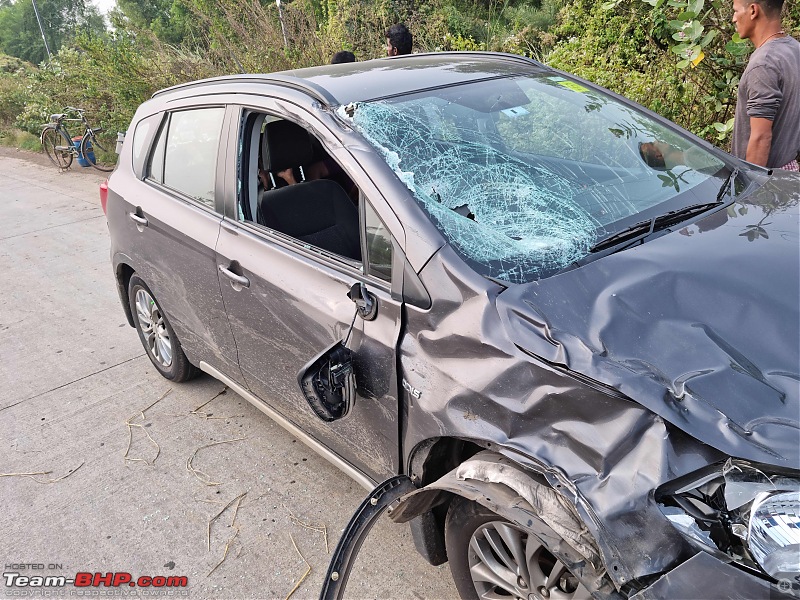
(39, 158)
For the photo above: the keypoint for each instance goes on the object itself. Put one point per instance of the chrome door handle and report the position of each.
(240, 280)
(138, 220)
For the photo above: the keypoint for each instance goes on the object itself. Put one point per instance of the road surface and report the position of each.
(75, 381)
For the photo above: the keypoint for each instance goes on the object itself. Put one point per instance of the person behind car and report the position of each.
(398, 40)
(766, 129)
(343, 56)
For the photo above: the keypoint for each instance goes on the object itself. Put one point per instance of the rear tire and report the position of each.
(51, 141)
(493, 558)
(93, 150)
(156, 334)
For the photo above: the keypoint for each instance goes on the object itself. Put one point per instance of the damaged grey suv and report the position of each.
(567, 326)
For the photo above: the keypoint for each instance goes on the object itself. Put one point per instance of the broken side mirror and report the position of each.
(328, 382)
(365, 301)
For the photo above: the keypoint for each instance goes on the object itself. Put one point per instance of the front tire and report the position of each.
(92, 149)
(156, 334)
(493, 559)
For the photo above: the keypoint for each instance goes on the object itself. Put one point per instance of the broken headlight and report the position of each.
(740, 513)
(773, 535)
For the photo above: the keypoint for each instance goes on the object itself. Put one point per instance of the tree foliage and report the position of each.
(678, 57)
(62, 21)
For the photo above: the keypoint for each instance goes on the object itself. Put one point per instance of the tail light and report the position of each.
(104, 195)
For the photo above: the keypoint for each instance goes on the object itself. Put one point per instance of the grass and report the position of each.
(23, 140)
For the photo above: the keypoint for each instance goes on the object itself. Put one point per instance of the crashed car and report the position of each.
(570, 324)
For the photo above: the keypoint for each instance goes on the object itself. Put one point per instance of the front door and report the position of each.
(287, 258)
(296, 305)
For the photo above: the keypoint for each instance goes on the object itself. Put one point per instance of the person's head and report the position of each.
(749, 15)
(652, 154)
(398, 40)
(343, 56)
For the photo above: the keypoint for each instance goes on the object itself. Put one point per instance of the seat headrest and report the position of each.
(289, 145)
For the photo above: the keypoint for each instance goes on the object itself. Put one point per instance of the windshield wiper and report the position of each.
(641, 230)
(633, 233)
(730, 179)
(676, 216)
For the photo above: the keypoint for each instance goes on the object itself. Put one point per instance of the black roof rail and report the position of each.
(322, 94)
(310, 88)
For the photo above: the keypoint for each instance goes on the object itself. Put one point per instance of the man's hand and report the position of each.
(760, 142)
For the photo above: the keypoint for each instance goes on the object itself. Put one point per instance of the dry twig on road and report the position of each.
(197, 472)
(225, 554)
(318, 528)
(308, 569)
(25, 474)
(33, 475)
(131, 425)
(238, 501)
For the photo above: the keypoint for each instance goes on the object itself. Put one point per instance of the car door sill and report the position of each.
(324, 452)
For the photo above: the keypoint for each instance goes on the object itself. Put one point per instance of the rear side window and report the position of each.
(142, 136)
(185, 155)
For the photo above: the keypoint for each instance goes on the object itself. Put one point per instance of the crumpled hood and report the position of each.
(701, 326)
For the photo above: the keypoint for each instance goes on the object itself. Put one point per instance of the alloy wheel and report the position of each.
(152, 324)
(506, 562)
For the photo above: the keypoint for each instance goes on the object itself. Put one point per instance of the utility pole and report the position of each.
(44, 38)
(283, 28)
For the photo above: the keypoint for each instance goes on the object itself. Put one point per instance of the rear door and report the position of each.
(171, 221)
(295, 304)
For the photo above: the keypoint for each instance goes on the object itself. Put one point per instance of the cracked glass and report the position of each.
(523, 175)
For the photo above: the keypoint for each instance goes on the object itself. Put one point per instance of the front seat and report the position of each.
(285, 145)
(318, 212)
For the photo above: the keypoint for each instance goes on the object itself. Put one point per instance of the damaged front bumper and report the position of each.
(704, 577)
(524, 498)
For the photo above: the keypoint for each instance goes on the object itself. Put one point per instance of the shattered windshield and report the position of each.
(522, 175)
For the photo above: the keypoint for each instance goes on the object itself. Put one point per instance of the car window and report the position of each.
(289, 183)
(379, 245)
(190, 161)
(141, 136)
(185, 156)
(155, 170)
(523, 175)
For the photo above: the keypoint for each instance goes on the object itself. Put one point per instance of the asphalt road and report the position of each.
(81, 404)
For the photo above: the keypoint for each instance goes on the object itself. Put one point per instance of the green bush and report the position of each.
(20, 139)
(13, 88)
(625, 45)
(644, 49)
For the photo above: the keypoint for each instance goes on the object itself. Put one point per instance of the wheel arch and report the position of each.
(123, 274)
(492, 476)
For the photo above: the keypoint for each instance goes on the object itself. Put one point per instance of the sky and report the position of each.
(104, 5)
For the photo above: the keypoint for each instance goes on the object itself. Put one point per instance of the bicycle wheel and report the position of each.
(54, 146)
(97, 151)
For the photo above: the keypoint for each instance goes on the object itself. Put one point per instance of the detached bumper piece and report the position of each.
(356, 532)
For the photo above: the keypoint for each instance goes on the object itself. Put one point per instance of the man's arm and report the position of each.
(760, 142)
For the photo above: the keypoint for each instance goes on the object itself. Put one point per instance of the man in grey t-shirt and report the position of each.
(767, 126)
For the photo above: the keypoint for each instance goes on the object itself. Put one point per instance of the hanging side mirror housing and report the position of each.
(328, 382)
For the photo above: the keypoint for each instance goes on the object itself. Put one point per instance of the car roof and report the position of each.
(380, 78)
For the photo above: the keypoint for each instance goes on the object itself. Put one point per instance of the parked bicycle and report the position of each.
(61, 148)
